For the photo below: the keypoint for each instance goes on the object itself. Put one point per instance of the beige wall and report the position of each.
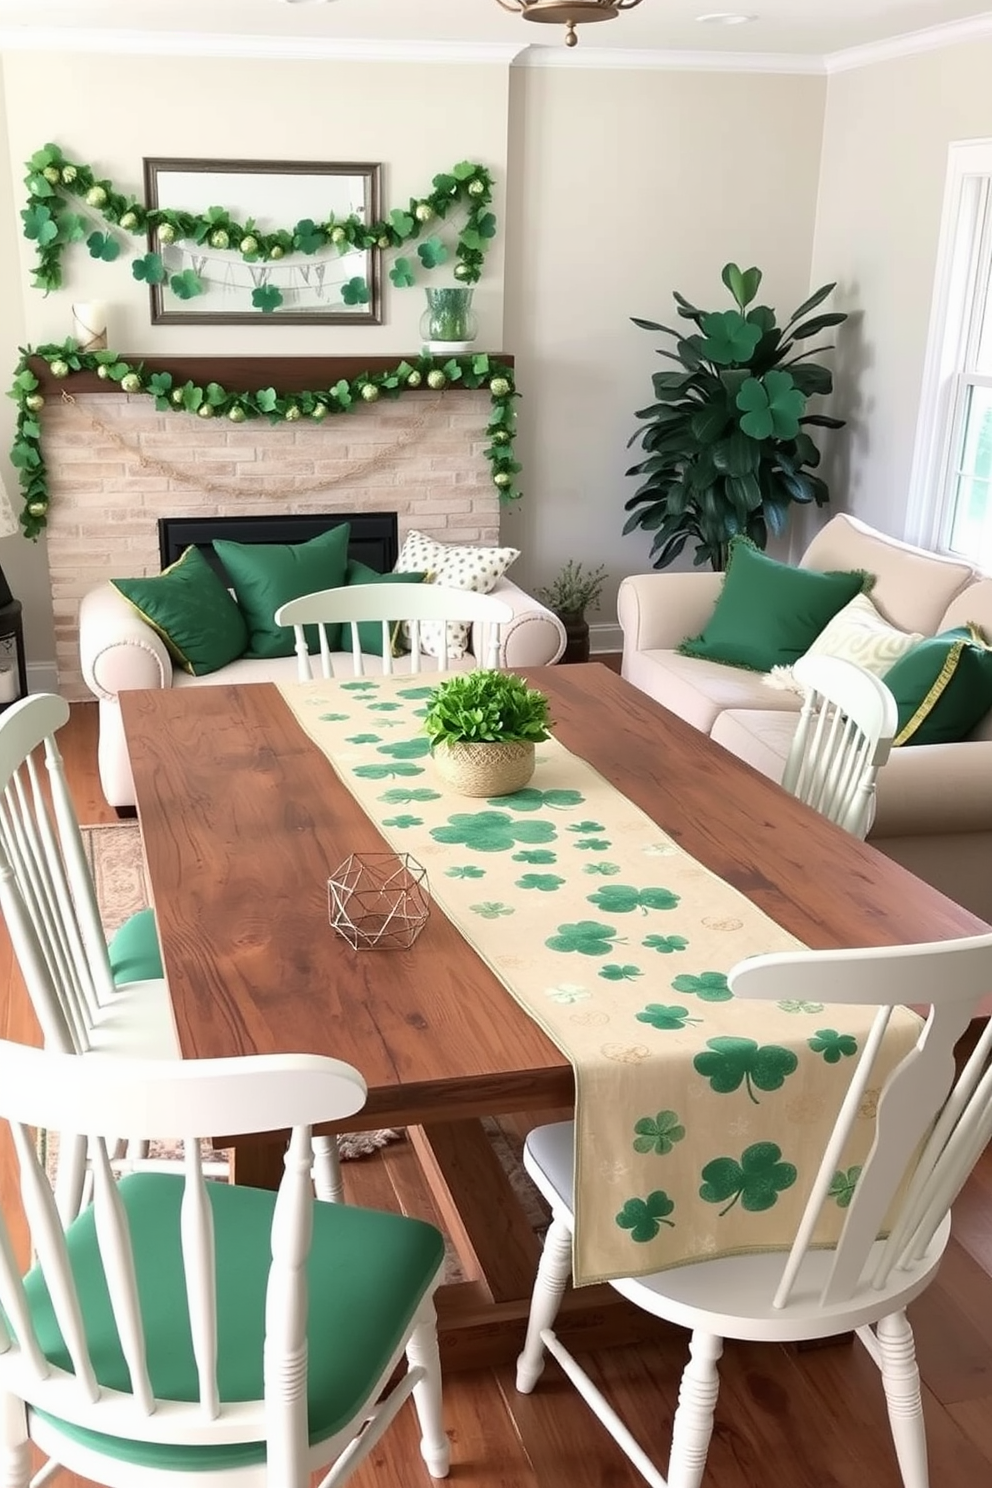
(884, 161)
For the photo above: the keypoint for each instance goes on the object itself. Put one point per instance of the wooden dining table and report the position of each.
(243, 819)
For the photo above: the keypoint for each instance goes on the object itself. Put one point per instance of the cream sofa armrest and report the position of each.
(658, 610)
(934, 788)
(118, 650)
(534, 636)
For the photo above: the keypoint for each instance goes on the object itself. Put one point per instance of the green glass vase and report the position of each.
(449, 324)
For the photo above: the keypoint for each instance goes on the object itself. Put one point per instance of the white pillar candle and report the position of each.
(89, 325)
(8, 685)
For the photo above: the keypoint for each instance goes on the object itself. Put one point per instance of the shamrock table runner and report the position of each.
(700, 1119)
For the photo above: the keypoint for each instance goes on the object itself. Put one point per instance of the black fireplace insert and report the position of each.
(373, 538)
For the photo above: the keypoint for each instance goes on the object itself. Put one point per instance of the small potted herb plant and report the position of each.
(574, 590)
(483, 727)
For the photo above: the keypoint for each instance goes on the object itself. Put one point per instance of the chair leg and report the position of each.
(549, 1287)
(694, 1417)
(422, 1350)
(327, 1181)
(901, 1382)
(15, 1453)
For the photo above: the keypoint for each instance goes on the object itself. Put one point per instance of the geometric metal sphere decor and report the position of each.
(379, 901)
(568, 13)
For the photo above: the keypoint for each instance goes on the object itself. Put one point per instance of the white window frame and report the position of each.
(964, 261)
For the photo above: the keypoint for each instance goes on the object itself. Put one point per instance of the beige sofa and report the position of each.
(934, 802)
(119, 651)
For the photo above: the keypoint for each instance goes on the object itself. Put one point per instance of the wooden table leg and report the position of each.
(257, 1164)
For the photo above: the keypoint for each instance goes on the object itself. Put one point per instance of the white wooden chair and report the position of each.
(389, 604)
(844, 737)
(48, 901)
(183, 1330)
(924, 1136)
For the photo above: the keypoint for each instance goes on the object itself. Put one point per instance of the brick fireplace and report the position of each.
(116, 466)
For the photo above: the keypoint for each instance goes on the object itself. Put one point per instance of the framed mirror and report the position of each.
(209, 279)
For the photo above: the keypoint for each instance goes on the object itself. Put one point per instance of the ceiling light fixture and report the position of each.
(568, 13)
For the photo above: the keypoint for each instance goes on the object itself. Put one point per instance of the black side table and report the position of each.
(13, 672)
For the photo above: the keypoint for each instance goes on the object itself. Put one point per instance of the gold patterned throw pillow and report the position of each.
(860, 634)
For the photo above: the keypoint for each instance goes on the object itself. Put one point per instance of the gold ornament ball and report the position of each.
(338, 234)
(502, 479)
(51, 174)
(462, 271)
(205, 410)
(318, 411)
(384, 241)
(293, 414)
(476, 187)
(38, 508)
(219, 239)
(69, 174)
(276, 251)
(129, 220)
(436, 379)
(236, 414)
(131, 382)
(34, 401)
(166, 233)
(499, 387)
(500, 437)
(96, 196)
(177, 397)
(103, 371)
(414, 380)
(59, 368)
(370, 392)
(249, 244)
(423, 212)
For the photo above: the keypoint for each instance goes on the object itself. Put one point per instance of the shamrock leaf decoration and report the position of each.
(416, 693)
(308, 237)
(267, 398)
(728, 337)
(406, 748)
(387, 772)
(833, 1045)
(402, 796)
(535, 855)
(709, 986)
(355, 291)
(757, 1180)
(491, 831)
(594, 845)
(731, 1062)
(267, 297)
(383, 707)
(469, 871)
(491, 911)
(801, 1007)
(645, 1217)
(665, 1018)
(529, 799)
(842, 1186)
(150, 269)
(772, 406)
(403, 821)
(665, 944)
(402, 274)
(585, 936)
(622, 899)
(546, 883)
(583, 828)
(334, 717)
(432, 253)
(658, 1133)
(364, 739)
(402, 222)
(605, 870)
(567, 993)
(72, 227)
(103, 246)
(39, 225)
(614, 972)
(186, 286)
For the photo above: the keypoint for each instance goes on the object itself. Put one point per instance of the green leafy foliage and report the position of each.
(725, 441)
(487, 707)
(658, 1134)
(645, 1217)
(574, 589)
(757, 1180)
(731, 1062)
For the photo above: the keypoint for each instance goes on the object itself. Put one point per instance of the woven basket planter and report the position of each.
(484, 769)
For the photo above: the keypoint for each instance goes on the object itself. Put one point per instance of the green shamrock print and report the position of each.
(666, 1018)
(386, 772)
(585, 936)
(334, 717)
(583, 828)
(595, 844)
(403, 821)
(415, 692)
(470, 871)
(359, 686)
(536, 855)
(491, 831)
(842, 1186)
(757, 1180)
(658, 1133)
(732, 1062)
(491, 911)
(833, 1045)
(709, 986)
(645, 1217)
(406, 749)
(364, 739)
(616, 973)
(665, 944)
(547, 883)
(400, 796)
(530, 799)
(800, 1007)
(383, 707)
(606, 870)
(622, 899)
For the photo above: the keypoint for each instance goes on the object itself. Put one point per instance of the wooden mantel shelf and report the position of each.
(240, 373)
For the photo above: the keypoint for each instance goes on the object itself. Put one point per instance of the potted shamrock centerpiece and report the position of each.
(483, 727)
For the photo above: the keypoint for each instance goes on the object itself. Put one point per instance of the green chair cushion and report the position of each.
(366, 1274)
(189, 607)
(134, 950)
(768, 613)
(943, 687)
(370, 631)
(267, 575)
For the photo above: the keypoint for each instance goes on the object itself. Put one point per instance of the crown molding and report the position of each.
(665, 61)
(914, 44)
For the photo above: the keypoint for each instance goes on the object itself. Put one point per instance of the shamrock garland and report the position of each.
(473, 371)
(51, 224)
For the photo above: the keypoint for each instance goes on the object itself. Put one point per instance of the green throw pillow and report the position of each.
(266, 575)
(943, 687)
(189, 607)
(768, 613)
(370, 631)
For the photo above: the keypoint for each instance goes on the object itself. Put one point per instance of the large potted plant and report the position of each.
(572, 591)
(483, 727)
(726, 442)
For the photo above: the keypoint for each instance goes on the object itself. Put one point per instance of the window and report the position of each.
(951, 496)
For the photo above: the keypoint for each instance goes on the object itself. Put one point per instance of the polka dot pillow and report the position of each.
(454, 567)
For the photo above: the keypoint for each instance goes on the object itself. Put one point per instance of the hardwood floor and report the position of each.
(812, 1419)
